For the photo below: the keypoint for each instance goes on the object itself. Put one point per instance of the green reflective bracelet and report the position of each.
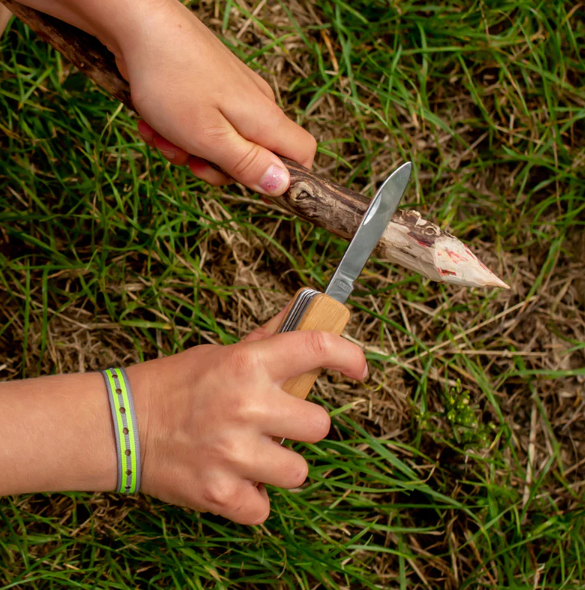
(125, 429)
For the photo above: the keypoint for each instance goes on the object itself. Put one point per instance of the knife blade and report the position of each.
(369, 232)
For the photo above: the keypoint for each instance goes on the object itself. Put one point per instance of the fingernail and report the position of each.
(366, 373)
(274, 181)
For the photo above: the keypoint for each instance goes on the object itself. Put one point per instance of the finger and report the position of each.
(269, 328)
(198, 166)
(240, 501)
(146, 132)
(202, 169)
(274, 130)
(294, 353)
(286, 416)
(173, 153)
(276, 465)
(169, 150)
(246, 161)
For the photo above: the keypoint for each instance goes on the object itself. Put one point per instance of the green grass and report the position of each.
(109, 255)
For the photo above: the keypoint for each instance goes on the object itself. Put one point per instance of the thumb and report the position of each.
(248, 163)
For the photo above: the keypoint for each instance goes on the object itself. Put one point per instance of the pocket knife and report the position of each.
(312, 310)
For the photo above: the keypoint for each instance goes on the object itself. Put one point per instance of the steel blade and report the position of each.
(369, 232)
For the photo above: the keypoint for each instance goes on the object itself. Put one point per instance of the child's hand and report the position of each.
(207, 419)
(198, 100)
(201, 103)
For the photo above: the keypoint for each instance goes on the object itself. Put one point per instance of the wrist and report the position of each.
(122, 24)
(161, 406)
(116, 23)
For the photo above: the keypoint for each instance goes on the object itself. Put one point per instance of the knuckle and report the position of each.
(247, 160)
(273, 111)
(264, 86)
(269, 92)
(220, 497)
(227, 450)
(243, 404)
(241, 360)
(319, 344)
(214, 135)
(242, 411)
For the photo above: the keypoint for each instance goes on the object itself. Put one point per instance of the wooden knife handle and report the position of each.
(323, 313)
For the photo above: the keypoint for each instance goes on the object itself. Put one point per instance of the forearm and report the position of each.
(56, 435)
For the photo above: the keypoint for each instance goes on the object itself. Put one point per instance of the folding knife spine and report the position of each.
(297, 310)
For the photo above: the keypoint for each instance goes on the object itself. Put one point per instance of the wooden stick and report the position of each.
(409, 240)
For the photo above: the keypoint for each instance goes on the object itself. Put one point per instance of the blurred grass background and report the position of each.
(460, 463)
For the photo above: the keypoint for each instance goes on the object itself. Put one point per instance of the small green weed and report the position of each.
(460, 422)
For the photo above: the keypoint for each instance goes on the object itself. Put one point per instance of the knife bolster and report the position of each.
(323, 313)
